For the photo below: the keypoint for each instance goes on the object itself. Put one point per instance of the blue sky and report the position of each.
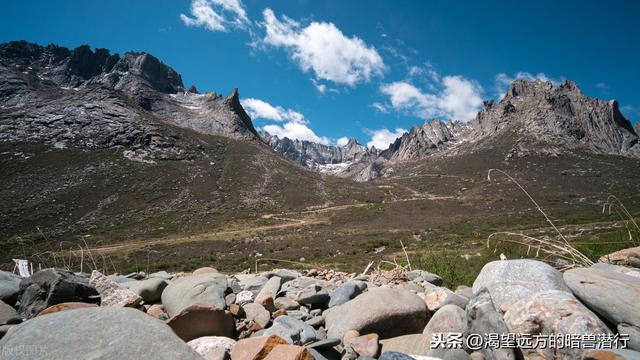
(324, 70)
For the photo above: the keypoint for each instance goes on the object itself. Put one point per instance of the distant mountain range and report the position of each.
(537, 117)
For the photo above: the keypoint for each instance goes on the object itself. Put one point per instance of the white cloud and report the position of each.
(342, 141)
(323, 48)
(503, 80)
(295, 126)
(295, 131)
(453, 97)
(259, 109)
(461, 98)
(322, 88)
(382, 138)
(216, 15)
(380, 107)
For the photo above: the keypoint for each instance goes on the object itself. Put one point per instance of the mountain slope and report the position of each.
(114, 148)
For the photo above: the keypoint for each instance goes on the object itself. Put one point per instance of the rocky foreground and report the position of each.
(515, 309)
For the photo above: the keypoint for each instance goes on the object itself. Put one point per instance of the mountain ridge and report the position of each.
(325, 158)
(537, 116)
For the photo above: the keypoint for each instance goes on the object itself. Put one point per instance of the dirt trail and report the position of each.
(308, 218)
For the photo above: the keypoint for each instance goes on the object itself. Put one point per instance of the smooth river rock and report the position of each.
(208, 289)
(386, 312)
(95, 333)
(511, 280)
(613, 295)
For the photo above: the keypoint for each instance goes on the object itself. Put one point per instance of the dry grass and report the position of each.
(614, 205)
(551, 249)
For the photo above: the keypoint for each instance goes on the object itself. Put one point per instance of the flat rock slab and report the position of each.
(386, 312)
(416, 344)
(255, 348)
(201, 320)
(511, 280)
(613, 295)
(95, 333)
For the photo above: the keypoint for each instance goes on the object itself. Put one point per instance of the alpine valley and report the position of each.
(112, 158)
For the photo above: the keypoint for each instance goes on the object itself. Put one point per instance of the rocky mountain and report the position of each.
(434, 136)
(324, 158)
(533, 118)
(637, 128)
(63, 96)
(96, 142)
(545, 118)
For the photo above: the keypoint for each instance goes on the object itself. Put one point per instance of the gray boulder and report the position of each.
(613, 295)
(511, 280)
(552, 312)
(208, 289)
(292, 330)
(269, 291)
(293, 288)
(386, 312)
(50, 287)
(313, 295)
(9, 287)
(253, 283)
(483, 318)
(95, 333)
(150, 289)
(256, 312)
(449, 319)
(422, 276)
(344, 293)
(284, 274)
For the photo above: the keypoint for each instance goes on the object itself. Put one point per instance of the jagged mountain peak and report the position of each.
(106, 100)
(559, 116)
(82, 66)
(433, 136)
